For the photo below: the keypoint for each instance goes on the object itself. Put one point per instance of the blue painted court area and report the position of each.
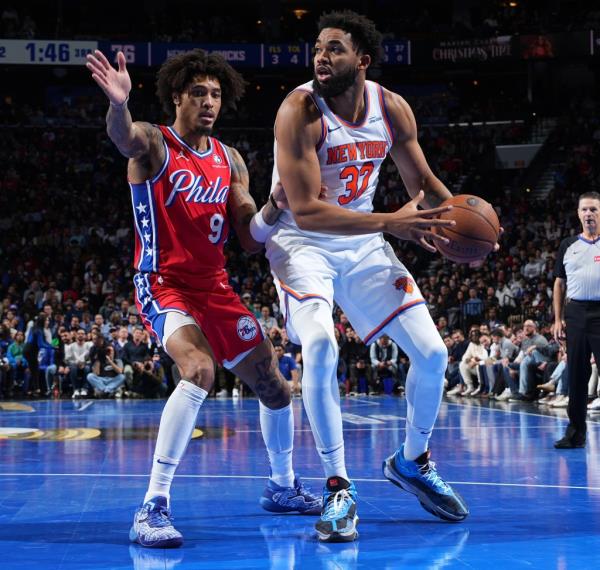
(72, 474)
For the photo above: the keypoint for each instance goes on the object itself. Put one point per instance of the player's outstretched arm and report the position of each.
(242, 208)
(298, 130)
(132, 139)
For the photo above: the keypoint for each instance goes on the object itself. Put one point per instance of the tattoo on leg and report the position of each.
(268, 385)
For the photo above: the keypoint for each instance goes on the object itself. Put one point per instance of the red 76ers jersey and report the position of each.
(180, 215)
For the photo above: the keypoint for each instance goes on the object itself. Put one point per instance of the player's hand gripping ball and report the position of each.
(475, 233)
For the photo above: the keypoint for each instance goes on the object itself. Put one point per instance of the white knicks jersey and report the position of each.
(350, 155)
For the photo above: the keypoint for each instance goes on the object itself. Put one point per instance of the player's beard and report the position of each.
(337, 84)
(203, 131)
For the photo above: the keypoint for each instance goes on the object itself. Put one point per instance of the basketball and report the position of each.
(476, 230)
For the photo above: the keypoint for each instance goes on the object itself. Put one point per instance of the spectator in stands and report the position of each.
(442, 327)
(356, 357)
(18, 367)
(103, 326)
(473, 308)
(469, 364)
(5, 386)
(77, 358)
(149, 380)
(57, 372)
(557, 387)
(529, 354)
(119, 345)
(384, 361)
(106, 376)
(289, 370)
(502, 352)
(132, 322)
(135, 353)
(35, 341)
(266, 321)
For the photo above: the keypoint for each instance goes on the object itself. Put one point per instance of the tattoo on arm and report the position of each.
(243, 204)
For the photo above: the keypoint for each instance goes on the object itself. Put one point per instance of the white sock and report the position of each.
(176, 427)
(333, 461)
(277, 428)
(320, 393)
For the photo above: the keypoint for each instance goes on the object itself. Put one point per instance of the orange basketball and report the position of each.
(476, 230)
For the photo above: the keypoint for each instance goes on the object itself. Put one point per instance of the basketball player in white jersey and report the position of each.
(337, 130)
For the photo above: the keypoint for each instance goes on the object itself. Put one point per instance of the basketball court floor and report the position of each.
(72, 474)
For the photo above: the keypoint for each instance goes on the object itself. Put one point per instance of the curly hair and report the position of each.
(178, 72)
(365, 37)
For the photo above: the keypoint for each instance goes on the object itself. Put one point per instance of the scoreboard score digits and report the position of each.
(284, 55)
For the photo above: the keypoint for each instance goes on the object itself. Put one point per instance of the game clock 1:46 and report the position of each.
(45, 52)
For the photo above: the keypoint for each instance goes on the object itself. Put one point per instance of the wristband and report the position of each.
(259, 229)
(272, 200)
(120, 105)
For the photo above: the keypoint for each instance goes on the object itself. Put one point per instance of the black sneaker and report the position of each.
(571, 440)
(518, 397)
(338, 519)
(421, 478)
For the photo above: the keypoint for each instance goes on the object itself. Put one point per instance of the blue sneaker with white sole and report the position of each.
(421, 478)
(299, 499)
(153, 525)
(338, 519)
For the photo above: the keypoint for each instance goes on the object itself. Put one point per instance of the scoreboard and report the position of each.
(285, 55)
(45, 52)
(264, 56)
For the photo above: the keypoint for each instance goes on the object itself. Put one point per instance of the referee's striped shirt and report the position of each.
(578, 262)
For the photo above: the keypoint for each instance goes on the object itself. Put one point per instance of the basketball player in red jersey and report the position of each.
(187, 189)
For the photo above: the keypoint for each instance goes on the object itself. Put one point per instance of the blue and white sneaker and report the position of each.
(338, 519)
(420, 478)
(277, 499)
(153, 525)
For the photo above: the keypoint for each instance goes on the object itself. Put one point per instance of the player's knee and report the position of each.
(437, 358)
(321, 347)
(432, 359)
(198, 369)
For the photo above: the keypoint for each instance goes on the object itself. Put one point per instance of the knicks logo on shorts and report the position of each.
(405, 283)
(246, 328)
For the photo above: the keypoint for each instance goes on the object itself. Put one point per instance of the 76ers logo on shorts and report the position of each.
(246, 328)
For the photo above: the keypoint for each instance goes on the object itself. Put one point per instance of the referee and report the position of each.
(577, 274)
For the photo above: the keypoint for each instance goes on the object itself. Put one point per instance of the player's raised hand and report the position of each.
(410, 223)
(115, 83)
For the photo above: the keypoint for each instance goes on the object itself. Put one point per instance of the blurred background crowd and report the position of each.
(68, 322)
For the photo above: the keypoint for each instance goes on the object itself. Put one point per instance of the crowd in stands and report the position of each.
(275, 21)
(69, 325)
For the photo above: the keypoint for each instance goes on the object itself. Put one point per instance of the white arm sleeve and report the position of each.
(259, 229)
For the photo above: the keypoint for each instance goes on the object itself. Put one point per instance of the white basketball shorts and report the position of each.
(361, 273)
